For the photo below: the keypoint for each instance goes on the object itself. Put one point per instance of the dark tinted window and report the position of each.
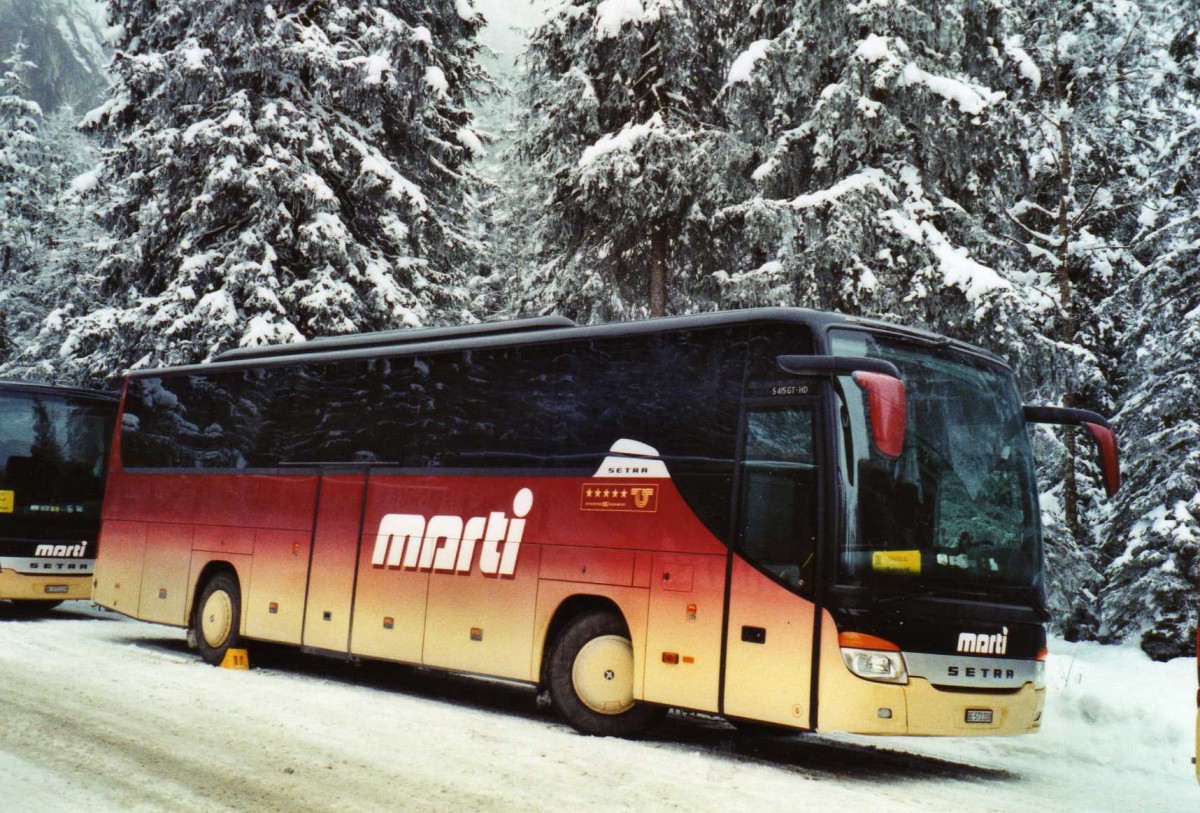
(187, 421)
(53, 452)
(769, 341)
(259, 417)
(483, 408)
(678, 392)
(321, 413)
(779, 494)
(559, 406)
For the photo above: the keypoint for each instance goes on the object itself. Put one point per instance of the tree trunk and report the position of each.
(1067, 336)
(658, 273)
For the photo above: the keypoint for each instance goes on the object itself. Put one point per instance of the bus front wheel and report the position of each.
(217, 617)
(590, 676)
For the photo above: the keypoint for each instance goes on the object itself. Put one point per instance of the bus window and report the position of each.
(779, 495)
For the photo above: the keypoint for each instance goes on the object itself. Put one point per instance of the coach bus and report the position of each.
(777, 515)
(53, 456)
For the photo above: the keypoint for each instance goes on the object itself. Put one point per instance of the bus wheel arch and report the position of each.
(216, 617)
(589, 670)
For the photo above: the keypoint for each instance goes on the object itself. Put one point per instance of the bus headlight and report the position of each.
(872, 658)
(872, 664)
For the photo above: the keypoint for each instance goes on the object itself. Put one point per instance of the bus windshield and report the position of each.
(52, 457)
(957, 512)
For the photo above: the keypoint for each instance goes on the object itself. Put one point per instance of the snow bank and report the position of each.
(152, 728)
(1119, 733)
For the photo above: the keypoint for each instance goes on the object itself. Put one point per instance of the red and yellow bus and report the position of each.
(53, 456)
(775, 515)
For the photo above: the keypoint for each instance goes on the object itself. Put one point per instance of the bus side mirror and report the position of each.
(1098, 428)
(881, 382)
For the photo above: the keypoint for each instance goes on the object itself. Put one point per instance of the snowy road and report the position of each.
(101, 713)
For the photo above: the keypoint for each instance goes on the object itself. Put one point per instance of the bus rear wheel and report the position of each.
(218, 617)
(590, 675)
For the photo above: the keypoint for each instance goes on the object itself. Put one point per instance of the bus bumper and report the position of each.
(920, 709)
(50, 587)
(941, 711)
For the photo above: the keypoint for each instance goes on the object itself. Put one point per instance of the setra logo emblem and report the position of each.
(621, 497)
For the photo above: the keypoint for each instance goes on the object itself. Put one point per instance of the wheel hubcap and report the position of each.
(603, 674)
(216, 619)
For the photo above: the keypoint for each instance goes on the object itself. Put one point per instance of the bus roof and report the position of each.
(543, 330)
(392, 338)
(37, 388)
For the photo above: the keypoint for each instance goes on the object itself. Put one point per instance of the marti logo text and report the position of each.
(447, 543)
(76, 551)
(983, 644)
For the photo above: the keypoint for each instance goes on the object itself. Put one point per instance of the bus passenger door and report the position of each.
(391, 589)
(769, 637)
(334, 553)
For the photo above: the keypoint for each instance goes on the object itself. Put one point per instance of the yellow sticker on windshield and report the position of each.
(7, 500)
(904, 561)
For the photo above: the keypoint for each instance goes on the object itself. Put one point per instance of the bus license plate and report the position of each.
(57, 588)
(979, 715)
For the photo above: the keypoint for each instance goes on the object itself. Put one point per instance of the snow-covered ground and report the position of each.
(101, 713)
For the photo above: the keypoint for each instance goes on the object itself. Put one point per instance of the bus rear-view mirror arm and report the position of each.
(1097, 426)
(879, 379)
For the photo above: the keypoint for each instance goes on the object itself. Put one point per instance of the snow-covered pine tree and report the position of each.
(890, 138)
(1083, 67)
(885, 194)
(60, 237)
(8, 347)
(22, 187)
(279, 170)
(1152, 551)
(625, 151)
(60, 64)
(885, 143)
(42, 225)
(64, 38)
